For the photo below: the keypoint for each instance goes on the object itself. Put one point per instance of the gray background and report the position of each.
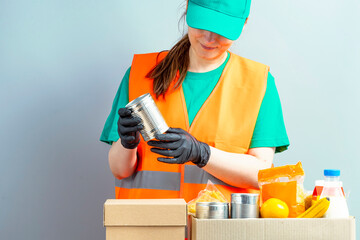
(61, 63)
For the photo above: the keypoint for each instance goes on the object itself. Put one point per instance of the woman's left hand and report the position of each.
(179, 146)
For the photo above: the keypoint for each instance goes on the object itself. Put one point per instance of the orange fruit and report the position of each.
(274, 208)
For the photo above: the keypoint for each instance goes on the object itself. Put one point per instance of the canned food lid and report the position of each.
(211, 204)
(245, 198)
(139, 99)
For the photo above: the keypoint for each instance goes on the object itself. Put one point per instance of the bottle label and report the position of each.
(338, 208)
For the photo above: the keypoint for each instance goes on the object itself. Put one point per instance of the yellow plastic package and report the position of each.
(284, 183)
(209, 194)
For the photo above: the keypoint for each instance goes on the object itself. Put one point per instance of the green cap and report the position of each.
(224, 17)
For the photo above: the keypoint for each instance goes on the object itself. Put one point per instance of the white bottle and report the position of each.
(332, 190)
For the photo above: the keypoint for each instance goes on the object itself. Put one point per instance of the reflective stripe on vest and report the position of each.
(194, 174)
(151, 180)
(225, 121)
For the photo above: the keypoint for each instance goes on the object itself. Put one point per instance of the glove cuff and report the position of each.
(204, 155)
(132, 144)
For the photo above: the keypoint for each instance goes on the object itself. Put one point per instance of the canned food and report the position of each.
(212, 210)
(244, 205)
(145, 108)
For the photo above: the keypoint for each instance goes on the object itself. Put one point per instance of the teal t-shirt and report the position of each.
(269, 128)
(198, 86)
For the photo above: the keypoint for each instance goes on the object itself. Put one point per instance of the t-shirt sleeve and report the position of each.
(270, 127)
(110, 133)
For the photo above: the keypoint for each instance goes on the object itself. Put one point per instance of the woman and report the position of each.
(224, 113)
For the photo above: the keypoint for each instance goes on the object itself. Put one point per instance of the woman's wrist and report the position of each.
(122, 161)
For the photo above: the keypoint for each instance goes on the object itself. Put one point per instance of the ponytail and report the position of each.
(165, 72)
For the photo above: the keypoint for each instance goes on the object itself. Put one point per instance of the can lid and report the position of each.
(211, 204)
(332, 172)
(245, 198)
(144, 97)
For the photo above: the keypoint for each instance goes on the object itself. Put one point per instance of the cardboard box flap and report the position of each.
(145, 212)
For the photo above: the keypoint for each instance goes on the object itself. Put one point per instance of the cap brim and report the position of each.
(206, 19)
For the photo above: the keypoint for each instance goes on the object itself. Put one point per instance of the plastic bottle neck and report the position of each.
(332, 179)
(332, 182)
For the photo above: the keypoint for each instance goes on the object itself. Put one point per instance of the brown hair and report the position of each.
(176, 60)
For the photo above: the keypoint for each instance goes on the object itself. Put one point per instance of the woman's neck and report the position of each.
(198, 64)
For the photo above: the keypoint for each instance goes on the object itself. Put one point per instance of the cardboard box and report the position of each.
(273, 229)
(145, 219)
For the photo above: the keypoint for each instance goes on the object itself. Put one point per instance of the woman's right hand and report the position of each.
(128, 128)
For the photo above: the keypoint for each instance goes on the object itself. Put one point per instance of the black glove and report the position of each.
(128, 128)
(181, 147)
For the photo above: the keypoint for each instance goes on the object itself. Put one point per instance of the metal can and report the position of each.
(244, 205)
(145, 108)
(212, 210)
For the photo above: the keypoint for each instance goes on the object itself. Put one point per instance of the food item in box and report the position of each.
(209, 194)
(317, 210)
(274, 208)
(319, 185)
(212, 210)
(333, 190)
(284, 183)
(244, 205)
(308, 201)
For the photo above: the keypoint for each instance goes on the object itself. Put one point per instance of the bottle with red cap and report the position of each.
(333, 191)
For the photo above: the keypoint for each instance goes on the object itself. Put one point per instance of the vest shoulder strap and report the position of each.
(141, 65)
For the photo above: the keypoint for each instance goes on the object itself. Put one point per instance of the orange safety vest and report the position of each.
(226, 121)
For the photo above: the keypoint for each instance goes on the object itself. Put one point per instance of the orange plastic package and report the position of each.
(209, 194)
(286, 184)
